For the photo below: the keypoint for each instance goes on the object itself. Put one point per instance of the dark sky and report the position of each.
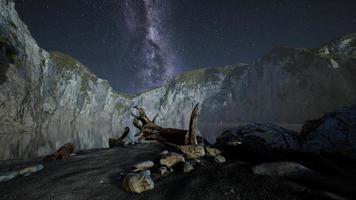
(137, 45)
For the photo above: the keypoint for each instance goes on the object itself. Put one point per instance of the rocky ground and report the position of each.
(98, 174)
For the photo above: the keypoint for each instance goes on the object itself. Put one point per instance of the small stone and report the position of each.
(142, 166)
(146, 172)
(137, 183)
(101, 181)
(31, 169)
(187, 167)
(192, 151)
(162, 171)
(219, 159)
(212, 151)
(171, 159)
(164, 153)
(8, 176)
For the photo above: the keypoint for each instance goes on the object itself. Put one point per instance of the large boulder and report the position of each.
(260, 136)
(334, 134)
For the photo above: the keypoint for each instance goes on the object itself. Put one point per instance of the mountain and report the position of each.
(49, 98)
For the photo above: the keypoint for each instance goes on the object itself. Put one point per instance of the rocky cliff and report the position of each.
(48, 98)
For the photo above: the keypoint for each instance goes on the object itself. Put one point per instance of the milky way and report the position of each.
(145, 21)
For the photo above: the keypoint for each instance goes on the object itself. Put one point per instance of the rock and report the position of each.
(163, 171)
(31, 169)
(6, 176)
(283, 169)
(219, 159)
(171, 159)
(192, 151)
(260, 136)
(142, 166)
(187, 167)
(63, 153)
(137, 182)
(163, 153)
(146, 172)
(212, 151)
(334, 134)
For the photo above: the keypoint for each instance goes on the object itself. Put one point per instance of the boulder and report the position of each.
(63, 153)
(137, 182)
(334, 135)
(171, 159)
(211, 152)
(260, 136)
(142, 166)
(283, 169)
(192, 151)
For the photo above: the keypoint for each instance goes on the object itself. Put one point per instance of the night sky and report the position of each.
(138, 45)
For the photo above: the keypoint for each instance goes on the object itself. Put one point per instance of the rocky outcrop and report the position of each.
(48, 98)
(335, 135)
(260, 136)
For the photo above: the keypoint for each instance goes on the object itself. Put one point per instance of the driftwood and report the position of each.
(117, 142)
(62, 153)
(151, 131)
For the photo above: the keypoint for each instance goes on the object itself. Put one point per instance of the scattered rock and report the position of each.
(27, 171)
(192, 151)
(164, 153)
(142, 166)
(210, 151)
(137, 182)
(219, 159)
(162, 171)
(146, 172)
(171, 159)
(8, 176)
(187, 167)
(63, 153)
(283, 169)
(31, 169)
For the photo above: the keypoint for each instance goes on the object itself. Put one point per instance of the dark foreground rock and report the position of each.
(97, 174)
(260, 136)
(333, 135)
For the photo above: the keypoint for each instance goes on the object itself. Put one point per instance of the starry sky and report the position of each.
(140, 44)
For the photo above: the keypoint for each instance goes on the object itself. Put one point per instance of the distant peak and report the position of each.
(344, 45)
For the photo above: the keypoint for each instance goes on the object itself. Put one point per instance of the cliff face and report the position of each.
(48, 99)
